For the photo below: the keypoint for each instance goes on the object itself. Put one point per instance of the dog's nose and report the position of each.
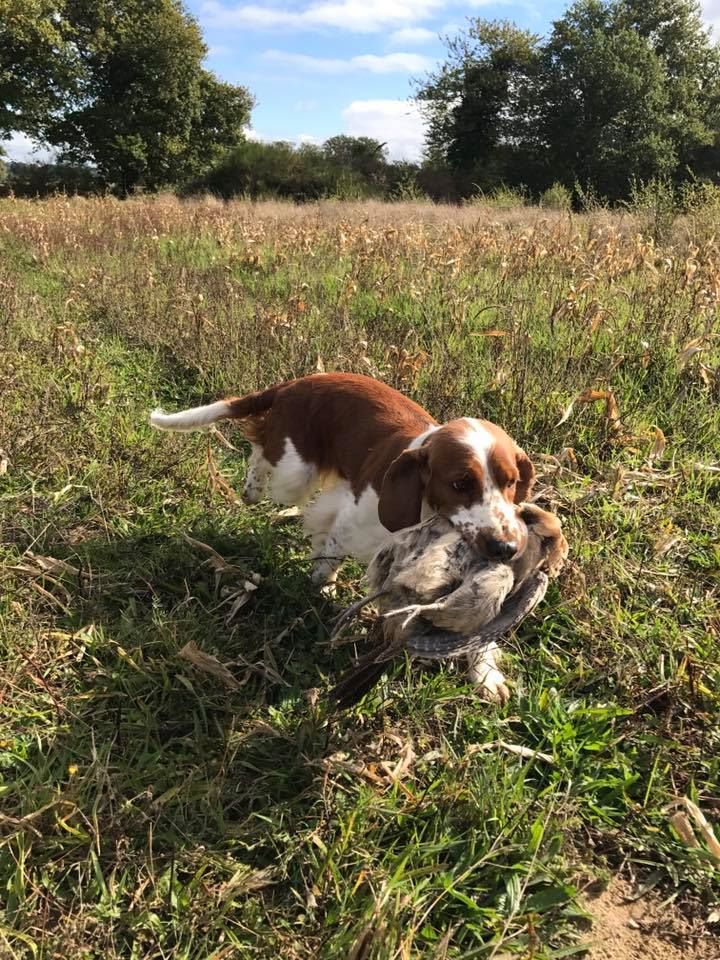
(501, 549)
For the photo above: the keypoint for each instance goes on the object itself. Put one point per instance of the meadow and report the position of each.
(154, 805)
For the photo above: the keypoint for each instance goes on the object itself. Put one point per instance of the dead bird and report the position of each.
(438, 598)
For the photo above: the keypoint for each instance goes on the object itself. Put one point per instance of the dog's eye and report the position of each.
(510, 483)
(461, 485)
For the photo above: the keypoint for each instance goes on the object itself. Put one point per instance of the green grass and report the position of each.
(147, 811)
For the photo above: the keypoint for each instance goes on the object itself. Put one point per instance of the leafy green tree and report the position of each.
(604, 114)
(691, 66)
(621, 91)
(37, 64)
(479, 105)
(118, 84)
(362, 155)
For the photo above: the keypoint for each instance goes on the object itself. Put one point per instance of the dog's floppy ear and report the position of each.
(402, 490)
(527, 476)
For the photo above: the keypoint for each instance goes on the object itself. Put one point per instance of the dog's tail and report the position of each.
(234, 408)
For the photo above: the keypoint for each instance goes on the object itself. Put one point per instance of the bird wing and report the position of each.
(474, 603)
(440, 645)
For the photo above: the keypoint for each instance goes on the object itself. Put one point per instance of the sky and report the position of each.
(322, 67)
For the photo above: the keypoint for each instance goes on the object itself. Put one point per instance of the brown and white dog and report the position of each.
(363, 460)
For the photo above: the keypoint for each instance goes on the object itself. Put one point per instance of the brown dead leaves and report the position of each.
(592, 395)
(206, 663)
(686, 818)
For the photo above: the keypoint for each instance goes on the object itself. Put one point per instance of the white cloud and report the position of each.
(217, 50)
(399, 123)
(389, 63)
(360, 16)
(24, 150)
(411, 35)
(298, 140)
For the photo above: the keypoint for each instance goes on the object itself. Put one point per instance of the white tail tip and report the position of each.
(186, 420)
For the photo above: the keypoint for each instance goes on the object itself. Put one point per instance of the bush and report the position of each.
(556, 197)
(257, 170)
(700, 200)
(655, 205)
(501, 198)
(45, 179)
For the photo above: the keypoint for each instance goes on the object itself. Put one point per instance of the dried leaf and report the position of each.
(515, 748)
(217, 482)
(591, 396)
(214, 560)
(288, 512)
(681, 825)
(704, 827)
(682, 820)
(665, 544)
(691, 348)
(53, 565)
(206, 663)
(567, 413)
(489, 333)
(221, 438)
(402, 768)
(658, 447)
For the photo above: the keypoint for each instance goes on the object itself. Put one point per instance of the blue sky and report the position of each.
(321, 67)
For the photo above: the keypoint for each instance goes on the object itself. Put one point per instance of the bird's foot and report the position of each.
(412, 611)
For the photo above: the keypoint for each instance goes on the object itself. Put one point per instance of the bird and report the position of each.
(438, 598)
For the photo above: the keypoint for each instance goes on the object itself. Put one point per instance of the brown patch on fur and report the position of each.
(509, 462)
(447, 473)
(345, 424)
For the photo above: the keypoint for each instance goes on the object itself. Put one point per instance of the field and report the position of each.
(152, 809)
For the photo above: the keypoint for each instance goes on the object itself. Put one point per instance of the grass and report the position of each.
(148, 810)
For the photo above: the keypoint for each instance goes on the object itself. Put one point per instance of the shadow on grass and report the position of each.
(151, 763)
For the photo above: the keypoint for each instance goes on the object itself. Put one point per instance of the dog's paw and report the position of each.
(484, 673)
(493, 687)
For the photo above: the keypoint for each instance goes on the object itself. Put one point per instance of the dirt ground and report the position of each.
(644, 929)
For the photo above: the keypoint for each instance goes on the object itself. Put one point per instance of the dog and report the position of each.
(362, 461)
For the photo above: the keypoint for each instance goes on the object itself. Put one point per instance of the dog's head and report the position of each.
(469, 471)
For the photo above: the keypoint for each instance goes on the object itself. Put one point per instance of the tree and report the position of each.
(126, 89)
(691, 65)
(479, 105)
(621, 90)
(362, 155)
(604, 113)
(37, 68)
(624, 93)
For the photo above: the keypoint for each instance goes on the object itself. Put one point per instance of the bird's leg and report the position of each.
(348, 614)
(413, 610)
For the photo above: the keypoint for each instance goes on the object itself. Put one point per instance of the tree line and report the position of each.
(619, 93)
